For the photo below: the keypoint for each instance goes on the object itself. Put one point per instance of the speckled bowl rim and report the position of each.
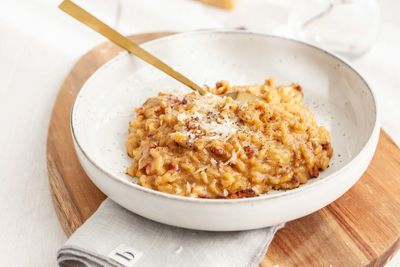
(308, 186)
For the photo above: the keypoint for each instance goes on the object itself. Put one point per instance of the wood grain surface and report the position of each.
(362, 228)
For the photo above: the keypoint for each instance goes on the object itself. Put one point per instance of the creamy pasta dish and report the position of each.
(213, 146)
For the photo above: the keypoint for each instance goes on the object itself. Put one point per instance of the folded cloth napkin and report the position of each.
(116, 237)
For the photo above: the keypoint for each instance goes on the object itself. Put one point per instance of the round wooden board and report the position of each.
(362, 228)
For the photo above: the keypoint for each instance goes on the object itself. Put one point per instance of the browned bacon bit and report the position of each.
(172, 167)
(184, 101)
(298, 88)
(314, 172)
(325, 146)
(217, 151)
(159, 111)
(249, 151)
(219, 84)
(242, 194)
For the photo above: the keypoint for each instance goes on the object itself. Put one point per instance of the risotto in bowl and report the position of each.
(289, 147)
(214, 146)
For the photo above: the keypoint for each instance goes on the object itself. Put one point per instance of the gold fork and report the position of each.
(88, 19)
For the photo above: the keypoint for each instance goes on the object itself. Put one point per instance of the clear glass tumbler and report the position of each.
(347, 27)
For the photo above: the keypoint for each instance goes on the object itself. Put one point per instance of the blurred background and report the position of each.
(363, 31)
(39, 45)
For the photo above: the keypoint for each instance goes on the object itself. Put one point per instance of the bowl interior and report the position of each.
(339, 98)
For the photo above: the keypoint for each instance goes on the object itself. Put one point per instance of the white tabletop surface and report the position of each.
(38, 46)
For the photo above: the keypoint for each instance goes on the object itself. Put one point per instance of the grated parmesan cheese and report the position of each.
(189, 134)
(208, 102)
(181, 117)
(208, 122)
(224, 129)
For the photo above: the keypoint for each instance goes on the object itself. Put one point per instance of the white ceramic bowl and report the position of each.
(339, 97)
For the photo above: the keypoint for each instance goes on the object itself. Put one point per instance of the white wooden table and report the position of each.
(38, 46)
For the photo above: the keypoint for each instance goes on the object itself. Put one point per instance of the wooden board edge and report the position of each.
(387, 256)
(64, 206)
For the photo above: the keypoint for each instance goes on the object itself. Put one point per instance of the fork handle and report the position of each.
(88, 19)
